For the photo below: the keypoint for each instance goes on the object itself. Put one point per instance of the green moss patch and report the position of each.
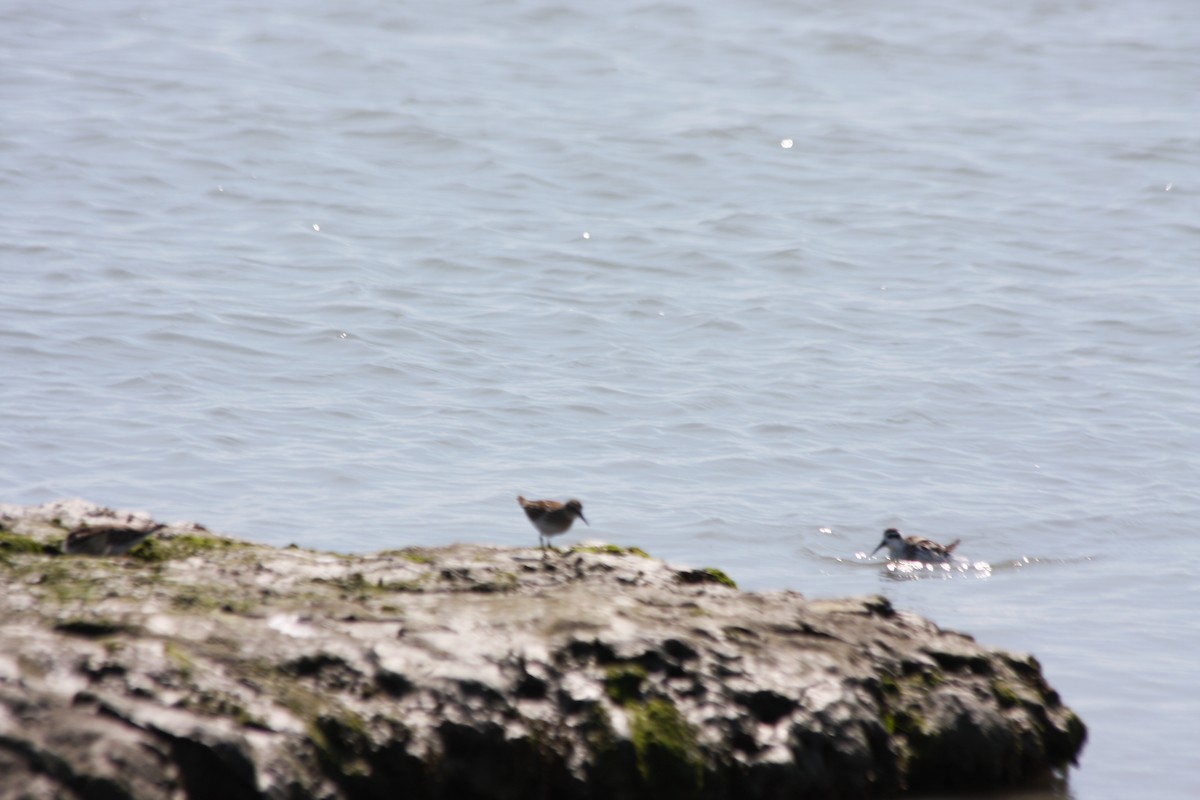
(66, 581)
(914, 683)
(15, 543)
(501, 581)
(905, 722)
(416, 555)
(623, 683)
(706, 575)
(611, 550)
(155, 550)
(1004, 694)
(342, 742)
(717, 576)
(668, 755)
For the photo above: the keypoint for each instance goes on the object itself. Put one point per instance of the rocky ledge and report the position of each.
(204, 667)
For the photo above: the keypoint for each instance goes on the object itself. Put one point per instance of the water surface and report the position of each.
(355, 276)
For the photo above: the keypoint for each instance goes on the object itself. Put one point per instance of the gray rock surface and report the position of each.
(204, 667)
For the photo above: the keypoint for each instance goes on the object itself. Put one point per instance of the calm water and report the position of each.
(354, 275)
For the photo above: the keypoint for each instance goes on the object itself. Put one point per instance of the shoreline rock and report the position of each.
(201, 666)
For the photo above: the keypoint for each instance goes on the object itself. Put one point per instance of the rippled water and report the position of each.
(354, 275)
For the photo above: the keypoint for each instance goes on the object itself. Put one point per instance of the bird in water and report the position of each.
(551, 517)
(914, 548)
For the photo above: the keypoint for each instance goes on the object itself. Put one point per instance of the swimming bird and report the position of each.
(551, 517)
(109, 541)
(914, 548)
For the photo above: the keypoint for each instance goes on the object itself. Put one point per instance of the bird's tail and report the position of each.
(950, 547)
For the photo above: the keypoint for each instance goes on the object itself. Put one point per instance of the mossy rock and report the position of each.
(610, 549)
(706, 575)
(623, 683)
(1005, 696)
(904, 722)
(889, 685)
(598, 730)
(157, 549)
(16, 543)
(1066, 748)
(342, 742)
(63, 581)
(914, 683)
(501, 581)
(668, 756)
(417, 555)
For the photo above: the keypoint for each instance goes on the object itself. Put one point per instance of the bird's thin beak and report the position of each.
(877, 549)
(585, 522)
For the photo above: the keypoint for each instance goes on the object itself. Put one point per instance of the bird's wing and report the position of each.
(536, 509)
